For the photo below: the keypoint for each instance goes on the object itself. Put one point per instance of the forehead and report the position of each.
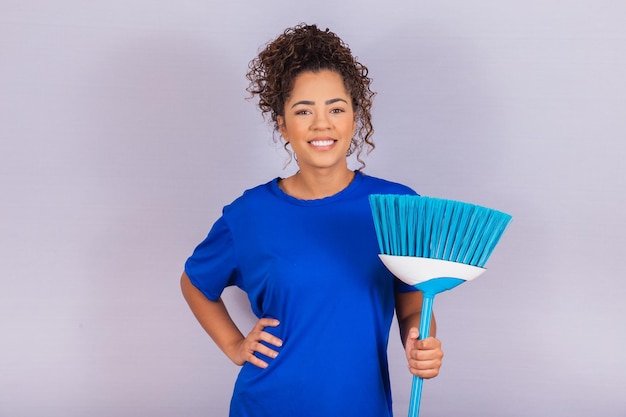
(320, 83)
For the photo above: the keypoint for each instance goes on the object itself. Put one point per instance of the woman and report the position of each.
(304, 250)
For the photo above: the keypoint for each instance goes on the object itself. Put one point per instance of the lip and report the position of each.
(322, 143)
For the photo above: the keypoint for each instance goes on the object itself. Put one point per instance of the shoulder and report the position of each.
(253, 198)
(377, 185)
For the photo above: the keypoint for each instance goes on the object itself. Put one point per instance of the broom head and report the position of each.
(449, 238)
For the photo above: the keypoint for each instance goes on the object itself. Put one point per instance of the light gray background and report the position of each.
(124, 129)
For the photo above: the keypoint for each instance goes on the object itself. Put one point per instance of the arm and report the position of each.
(424, 356)
(215, 320)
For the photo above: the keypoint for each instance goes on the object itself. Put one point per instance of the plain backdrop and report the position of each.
(124, 130)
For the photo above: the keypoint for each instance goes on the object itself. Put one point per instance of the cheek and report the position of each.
(352, 128)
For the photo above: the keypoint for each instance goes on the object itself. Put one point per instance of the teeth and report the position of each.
(322, 142)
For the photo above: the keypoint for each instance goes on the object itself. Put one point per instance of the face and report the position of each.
(319, 120)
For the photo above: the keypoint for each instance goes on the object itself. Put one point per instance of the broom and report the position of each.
(434, 245)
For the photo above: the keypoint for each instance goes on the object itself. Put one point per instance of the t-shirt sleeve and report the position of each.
(212, 266)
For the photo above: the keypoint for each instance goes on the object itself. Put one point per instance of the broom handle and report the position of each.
(425, 320)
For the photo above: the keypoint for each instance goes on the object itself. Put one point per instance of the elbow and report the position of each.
(186, 286)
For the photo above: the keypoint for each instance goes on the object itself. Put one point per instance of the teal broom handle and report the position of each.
(425, 320)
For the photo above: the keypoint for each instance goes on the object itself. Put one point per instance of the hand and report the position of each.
(252, 343)
(424, 356)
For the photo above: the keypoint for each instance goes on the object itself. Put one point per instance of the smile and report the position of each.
(322, 142)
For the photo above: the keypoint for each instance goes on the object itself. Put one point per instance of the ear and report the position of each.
(280, 121)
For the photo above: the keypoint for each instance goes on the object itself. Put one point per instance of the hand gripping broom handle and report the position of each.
(425, 320)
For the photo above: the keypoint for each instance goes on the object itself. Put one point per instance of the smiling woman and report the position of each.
(301, 49)
(323, 299)
(319, 124)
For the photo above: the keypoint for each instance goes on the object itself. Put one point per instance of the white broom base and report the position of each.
(413, 270)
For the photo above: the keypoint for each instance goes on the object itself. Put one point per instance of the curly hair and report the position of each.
(307, 48)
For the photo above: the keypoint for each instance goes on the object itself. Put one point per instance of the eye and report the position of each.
(337, 110)
(302, 112)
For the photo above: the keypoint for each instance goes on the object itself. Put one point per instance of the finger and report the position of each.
(251, 347)
(422, 365)
(411, 341)
(252, 343)
(426, 354)
(425, 369)
(411, 338)
(265, 322)
(266, 350)
(425, 373)
(258, 347)
(271, 339)
(428, 343)
(256, 361)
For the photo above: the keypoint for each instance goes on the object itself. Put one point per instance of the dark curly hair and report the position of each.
(307, 48)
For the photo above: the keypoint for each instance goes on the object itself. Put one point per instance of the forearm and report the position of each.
(413, 320)
(214, 319)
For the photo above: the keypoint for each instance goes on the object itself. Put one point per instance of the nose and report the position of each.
(321, 121)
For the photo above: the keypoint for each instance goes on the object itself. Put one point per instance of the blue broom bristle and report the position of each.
(428, 227)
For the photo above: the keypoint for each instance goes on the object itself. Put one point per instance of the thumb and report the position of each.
(412, 336)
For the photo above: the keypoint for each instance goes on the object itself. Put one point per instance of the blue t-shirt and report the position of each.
(313, 265)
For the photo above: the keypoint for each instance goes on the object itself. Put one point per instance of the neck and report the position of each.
(307, 185)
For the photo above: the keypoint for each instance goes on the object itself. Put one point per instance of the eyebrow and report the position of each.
(311, 103)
